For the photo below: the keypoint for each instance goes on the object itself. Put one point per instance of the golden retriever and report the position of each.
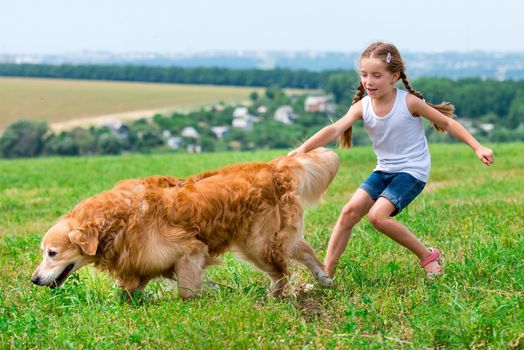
(161, 226)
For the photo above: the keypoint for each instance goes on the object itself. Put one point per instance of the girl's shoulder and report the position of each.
(413, 103)
(357, 109)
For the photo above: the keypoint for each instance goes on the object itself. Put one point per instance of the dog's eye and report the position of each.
(51, 253)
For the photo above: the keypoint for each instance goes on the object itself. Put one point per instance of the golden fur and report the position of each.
(161, 226)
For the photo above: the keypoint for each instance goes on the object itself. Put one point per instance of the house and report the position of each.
(174, 142)
(244, 123)
(240, 112)
(192, 148)
(262, 110)
(242, 119)
(219, 131)
(487, 127)
(284, 114)
(190, 132)
(322, 104)
(116, 126)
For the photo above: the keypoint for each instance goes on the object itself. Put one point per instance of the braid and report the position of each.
(445, 108)
(408, 86)
(345, 139)
(358, 94)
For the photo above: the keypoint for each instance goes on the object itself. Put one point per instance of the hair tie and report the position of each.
(388, 58)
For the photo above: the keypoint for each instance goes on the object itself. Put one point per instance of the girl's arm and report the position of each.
(332, 131)
(419, 107)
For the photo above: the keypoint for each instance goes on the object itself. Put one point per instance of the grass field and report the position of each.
(56, 100)
(474, 213)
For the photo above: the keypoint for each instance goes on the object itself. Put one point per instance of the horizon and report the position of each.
(241, 53)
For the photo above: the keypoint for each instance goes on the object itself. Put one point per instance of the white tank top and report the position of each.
(398, 139)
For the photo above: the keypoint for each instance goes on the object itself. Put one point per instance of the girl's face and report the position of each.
(375, 78)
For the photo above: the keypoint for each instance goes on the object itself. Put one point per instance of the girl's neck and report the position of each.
(383, 105)
(386, 99)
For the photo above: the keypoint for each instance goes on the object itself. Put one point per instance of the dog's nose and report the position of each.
(35, 280)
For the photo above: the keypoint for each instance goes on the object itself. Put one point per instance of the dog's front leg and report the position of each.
(189, 269)
(130, 285)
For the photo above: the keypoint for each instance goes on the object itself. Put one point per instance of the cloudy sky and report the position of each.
(60, 26)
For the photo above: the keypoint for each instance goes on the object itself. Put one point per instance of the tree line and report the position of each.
(213, 76)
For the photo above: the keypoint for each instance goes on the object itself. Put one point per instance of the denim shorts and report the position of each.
(399, 188)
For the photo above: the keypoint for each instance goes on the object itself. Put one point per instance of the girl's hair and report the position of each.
(390, 55)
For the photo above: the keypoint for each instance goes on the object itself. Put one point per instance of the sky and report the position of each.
(192, 26)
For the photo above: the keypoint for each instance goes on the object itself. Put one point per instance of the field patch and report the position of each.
(61, 101)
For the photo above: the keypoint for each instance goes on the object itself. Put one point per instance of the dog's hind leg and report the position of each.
(189, 270)
(301, 251)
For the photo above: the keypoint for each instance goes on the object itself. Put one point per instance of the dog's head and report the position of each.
(66, 248)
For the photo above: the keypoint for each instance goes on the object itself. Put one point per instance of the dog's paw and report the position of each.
(324, 280)
(211, 285)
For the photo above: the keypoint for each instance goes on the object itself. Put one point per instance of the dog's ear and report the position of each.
(85, 237)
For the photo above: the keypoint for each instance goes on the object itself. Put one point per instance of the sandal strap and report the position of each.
(434, 256)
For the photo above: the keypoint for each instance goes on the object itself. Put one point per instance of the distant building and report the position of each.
(487, 127)
(174, 142)
(219, 131)
(240, 112)
(192, 148)
(322, 104)
(262, 110)
(244, 123)
(190, 132)
(242, 119)
(116, 126)
(284, 114)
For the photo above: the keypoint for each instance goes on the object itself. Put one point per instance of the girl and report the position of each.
(392, 119)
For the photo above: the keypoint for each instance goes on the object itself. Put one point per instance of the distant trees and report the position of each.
(473, 98)
(108, 143)
(144, 136)
(516, 111)
(23, 138)
(215, 76)
(342, 85)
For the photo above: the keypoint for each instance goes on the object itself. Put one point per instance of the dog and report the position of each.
(165, 227)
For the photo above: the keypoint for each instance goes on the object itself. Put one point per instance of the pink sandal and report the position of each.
(436, 255)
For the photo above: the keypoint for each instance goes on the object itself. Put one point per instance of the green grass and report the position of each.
(474, 213)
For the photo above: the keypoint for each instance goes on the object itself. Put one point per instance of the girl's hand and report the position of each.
(296, 152)
(485, 155)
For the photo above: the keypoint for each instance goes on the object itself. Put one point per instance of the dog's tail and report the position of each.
(312, 172)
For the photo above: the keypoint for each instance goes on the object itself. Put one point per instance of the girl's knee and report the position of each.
(350, 215)
(378, 220)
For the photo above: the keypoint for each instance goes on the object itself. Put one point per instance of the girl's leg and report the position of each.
(351, 213)
(380, 217)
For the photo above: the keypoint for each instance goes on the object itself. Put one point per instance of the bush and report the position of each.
(144, 136)
(23, 138)
(63, 145)
(109, 144)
